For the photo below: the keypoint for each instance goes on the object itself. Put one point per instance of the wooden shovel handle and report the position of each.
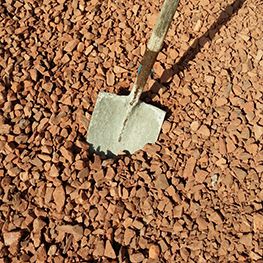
(154, 46)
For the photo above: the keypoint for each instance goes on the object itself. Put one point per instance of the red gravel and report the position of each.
(194, 196)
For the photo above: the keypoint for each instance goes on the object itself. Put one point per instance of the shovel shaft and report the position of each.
(154, 46)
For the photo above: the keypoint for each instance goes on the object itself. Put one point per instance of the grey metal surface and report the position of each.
(143, 126)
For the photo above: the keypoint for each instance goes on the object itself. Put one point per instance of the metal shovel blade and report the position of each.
(143, 125)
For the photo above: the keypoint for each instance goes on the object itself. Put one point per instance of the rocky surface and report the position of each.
(194, 196)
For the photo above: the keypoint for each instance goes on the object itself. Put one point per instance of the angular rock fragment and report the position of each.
(11, 238)
(109, 251)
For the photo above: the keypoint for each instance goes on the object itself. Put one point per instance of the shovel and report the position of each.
(122, 124)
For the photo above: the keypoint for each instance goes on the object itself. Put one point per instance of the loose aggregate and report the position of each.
(194, 196)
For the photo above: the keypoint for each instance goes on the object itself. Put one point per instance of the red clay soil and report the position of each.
(194, 196)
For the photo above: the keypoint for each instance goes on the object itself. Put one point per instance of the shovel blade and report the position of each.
(142, 127)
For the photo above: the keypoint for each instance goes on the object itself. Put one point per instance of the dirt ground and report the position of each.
(194, 196)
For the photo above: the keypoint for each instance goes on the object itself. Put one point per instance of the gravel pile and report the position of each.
(194, 196)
